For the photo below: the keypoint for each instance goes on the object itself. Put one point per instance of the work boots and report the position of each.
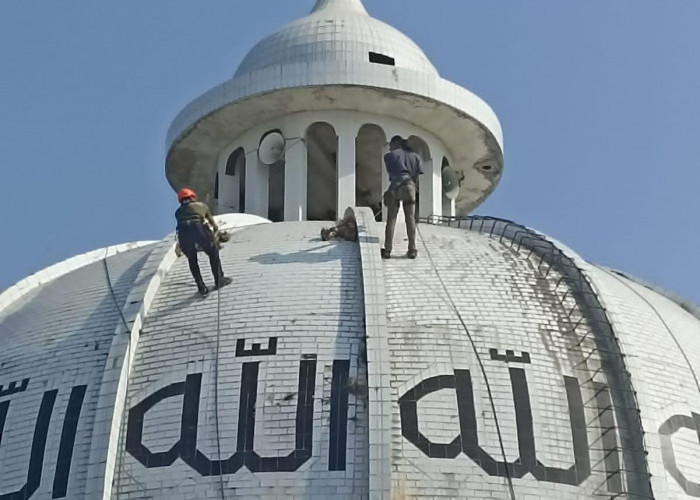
(223, 281)
(386, 254)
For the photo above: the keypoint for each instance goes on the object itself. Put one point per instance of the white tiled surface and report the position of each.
(58, 335)
(335, 35)
(52, 272)
(324, 299)
(104, 444)
(662, 344)
(287, 284)
(378, 355)
(507, 305)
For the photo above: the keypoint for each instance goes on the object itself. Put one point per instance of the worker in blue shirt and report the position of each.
(403, 166)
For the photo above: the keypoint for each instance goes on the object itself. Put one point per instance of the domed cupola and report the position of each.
(337, 30)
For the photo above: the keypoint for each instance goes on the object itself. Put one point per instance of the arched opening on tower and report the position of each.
(322, 172)
(421, 147)
(275, 194)
(369, 153)
(232, 183)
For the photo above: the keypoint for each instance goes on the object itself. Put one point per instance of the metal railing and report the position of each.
(594, 338)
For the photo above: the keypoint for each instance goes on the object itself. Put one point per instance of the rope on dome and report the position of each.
(216, 364)
(478, 357)
(114, 295)
(216, 391)
(663, 321)
(127, 357)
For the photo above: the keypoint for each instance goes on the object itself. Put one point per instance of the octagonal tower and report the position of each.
(336, 85)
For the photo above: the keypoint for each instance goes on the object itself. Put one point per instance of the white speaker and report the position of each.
(450, 182)
(271, 149)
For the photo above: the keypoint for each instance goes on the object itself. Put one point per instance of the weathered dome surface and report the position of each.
(56, 331)
(335, 31)
(496, 362)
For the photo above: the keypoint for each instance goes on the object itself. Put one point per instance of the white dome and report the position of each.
(336, 30)
(497, 359)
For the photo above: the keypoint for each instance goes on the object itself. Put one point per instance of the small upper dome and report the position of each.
(337, 30)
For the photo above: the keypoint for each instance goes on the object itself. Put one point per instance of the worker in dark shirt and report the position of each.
(403, 166)
(195, 230)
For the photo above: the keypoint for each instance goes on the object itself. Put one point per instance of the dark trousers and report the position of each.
(405, 194)
(192, 237)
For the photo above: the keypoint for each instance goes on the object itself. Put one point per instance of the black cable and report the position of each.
(114, 296)
(216, 389)
(216, 364)
(481, 364)
(117, 482)
(663, 321)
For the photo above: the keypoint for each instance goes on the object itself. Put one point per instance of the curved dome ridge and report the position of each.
(336, 30)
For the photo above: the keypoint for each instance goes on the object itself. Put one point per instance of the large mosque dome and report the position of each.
(498, 364)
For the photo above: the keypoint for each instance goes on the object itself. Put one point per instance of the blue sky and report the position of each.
(599, 103)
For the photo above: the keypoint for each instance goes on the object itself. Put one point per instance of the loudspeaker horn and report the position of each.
(271, 149)
(450, 182)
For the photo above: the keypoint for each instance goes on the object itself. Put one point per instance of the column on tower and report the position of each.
(256, 180)
(431, 181)
(296, 172)
(347, 135)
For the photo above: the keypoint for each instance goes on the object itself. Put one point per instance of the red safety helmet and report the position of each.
(184, 194)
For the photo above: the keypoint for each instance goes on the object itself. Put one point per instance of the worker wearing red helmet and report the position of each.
(193, 234)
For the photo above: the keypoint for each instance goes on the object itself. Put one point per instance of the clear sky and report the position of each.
(599, 101)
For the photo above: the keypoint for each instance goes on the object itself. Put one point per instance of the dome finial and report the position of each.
(340, 5)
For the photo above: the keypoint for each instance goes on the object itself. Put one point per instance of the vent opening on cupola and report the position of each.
(375, 57)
